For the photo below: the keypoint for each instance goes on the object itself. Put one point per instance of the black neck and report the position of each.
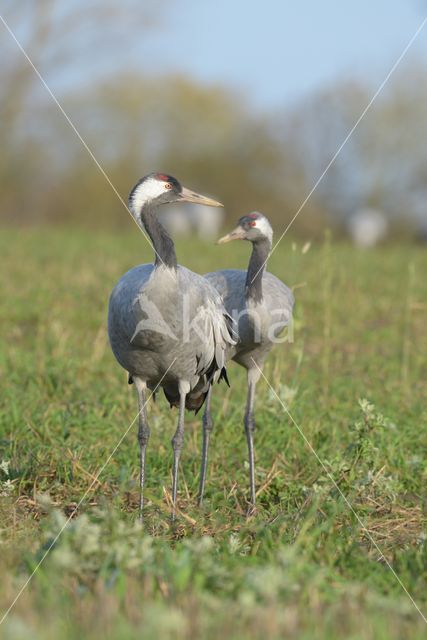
(256, 268)
(162, 242)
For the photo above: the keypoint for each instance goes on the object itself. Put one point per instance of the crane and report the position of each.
(262, 306)
(167, 326)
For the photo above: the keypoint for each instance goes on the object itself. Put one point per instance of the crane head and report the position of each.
(161, 188)
(253, 227)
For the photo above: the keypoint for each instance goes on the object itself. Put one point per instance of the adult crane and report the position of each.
(167, 326)
(262, 306)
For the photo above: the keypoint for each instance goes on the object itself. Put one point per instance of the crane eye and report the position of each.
(168, 185)
(252, 223)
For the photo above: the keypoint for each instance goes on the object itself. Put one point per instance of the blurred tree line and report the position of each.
(208, 136)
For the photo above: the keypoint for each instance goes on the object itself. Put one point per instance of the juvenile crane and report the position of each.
(262, 307)
(167, 325)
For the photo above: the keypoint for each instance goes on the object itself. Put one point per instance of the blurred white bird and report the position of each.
(367, 227)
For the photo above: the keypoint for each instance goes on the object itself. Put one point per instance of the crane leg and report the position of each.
(143, 436)
(207, 430)
(178, 443)
(249, 422)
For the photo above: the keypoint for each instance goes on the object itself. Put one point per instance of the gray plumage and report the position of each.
(262, 307)
(168, 326)
(259, 323)
(145, 323)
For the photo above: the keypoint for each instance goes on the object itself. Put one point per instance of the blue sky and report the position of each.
(274, 51)
(278, 51)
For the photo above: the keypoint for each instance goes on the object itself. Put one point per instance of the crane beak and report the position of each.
(191, 196)
(237, 234)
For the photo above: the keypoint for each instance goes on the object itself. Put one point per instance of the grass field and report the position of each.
(304, 566)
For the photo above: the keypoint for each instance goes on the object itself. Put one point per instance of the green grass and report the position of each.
(303, 566)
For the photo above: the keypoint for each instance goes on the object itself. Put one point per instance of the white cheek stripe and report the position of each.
(148, 190)
(264, 226)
